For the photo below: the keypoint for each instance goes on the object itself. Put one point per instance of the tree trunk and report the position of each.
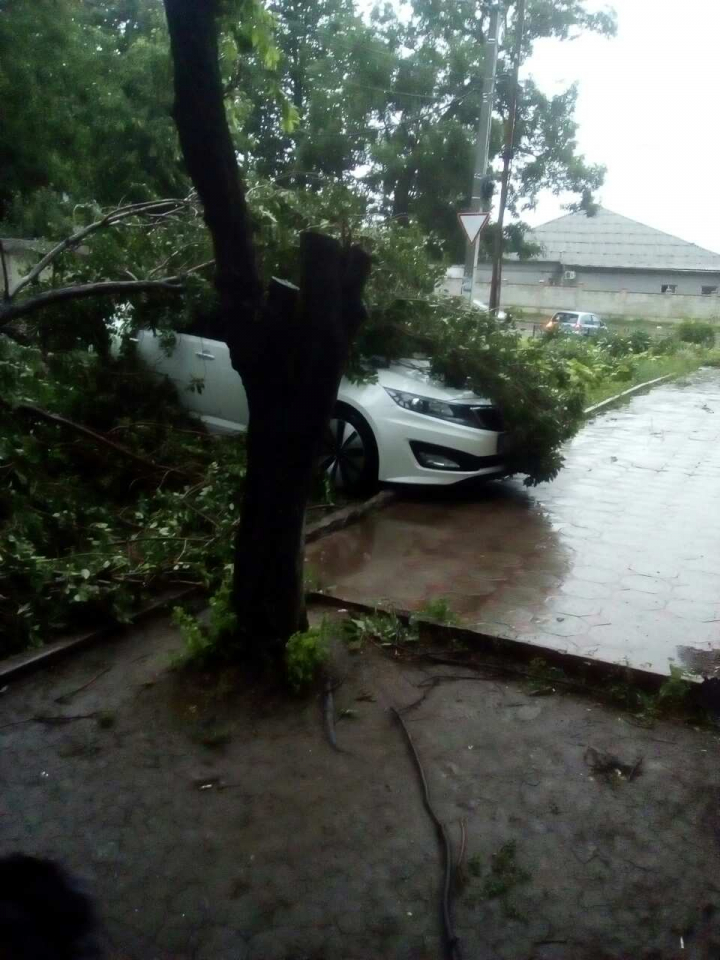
(291, 388)
(290, 354)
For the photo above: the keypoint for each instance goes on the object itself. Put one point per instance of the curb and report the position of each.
(19, 664)
(626, 393)
(348, 515)
(503, 647)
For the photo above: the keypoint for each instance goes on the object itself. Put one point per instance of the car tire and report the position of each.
(349, 454)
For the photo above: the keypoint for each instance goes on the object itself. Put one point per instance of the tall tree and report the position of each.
(86, 106)
(289, 347)
(394, 103)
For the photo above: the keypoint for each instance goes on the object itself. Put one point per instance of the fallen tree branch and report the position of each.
(452, 944)
(97, 438)
(104, 288)
(329, 714)
(111, 218)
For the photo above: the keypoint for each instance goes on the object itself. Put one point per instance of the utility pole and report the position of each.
(480, 196)
(508, 154)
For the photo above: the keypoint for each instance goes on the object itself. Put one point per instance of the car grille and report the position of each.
(489, 418)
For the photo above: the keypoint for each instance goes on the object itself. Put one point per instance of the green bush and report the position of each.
(699, 332)
(712, 359)
(622, 345)
(665, 347)
(305, 654)
(204, 643)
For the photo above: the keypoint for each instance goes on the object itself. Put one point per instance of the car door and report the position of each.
(181, 363)
(223, 401)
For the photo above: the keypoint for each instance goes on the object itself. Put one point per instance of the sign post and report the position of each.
(473, 223)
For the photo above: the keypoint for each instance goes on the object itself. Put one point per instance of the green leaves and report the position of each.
(83, 535)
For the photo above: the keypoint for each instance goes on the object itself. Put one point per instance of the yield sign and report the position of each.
(472, 223)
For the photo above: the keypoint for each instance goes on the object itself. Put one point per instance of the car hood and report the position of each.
(414, 376)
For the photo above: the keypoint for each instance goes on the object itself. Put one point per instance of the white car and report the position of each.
(573, 321)
(403, 428)
(484, 308)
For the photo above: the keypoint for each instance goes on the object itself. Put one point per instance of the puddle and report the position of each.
(610, 561)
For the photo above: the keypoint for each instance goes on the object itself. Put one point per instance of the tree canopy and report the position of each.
(316, 92)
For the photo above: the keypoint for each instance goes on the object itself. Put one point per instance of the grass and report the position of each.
(656, 328)
(678, 365)
(439, 610)
(502, 878)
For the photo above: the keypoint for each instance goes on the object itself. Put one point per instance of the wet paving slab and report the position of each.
(618, 559)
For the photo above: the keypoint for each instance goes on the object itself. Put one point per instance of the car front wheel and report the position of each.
(349, 454)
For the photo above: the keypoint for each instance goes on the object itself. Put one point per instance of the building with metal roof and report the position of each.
(608, 264)
(610, 241)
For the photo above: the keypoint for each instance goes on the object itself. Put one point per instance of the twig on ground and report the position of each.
(459, 867)
(64, 697)
(329, 714)
(437, 678)
(430, 685)
(635, 770)
(452, 944)
(50, 720)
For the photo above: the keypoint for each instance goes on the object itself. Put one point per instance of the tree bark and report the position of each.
(105, 288)
(290, 353)
(209, 154)
(291, 393)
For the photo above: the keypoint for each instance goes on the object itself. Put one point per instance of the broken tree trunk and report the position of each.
(291, 390)
(290, 350)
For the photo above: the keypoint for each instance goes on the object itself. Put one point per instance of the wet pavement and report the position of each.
(211, 819)
(616, 559)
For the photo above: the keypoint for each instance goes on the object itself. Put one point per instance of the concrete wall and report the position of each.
(687, 284)
(527, 285)
(652, 306)
(19, 263)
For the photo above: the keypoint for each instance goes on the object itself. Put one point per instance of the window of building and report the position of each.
(708, 291)
(668, 288)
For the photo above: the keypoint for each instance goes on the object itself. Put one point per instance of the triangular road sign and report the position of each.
(472, 223)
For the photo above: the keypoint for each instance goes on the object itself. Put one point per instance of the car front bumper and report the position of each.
(406, 443)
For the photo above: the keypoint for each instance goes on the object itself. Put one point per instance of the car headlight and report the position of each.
(464, 414)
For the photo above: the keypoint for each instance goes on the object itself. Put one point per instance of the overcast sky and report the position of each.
(649, 109)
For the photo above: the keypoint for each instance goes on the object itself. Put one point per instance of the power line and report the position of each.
(395, 93)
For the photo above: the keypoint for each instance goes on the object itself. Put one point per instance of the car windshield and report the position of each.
(566, 317)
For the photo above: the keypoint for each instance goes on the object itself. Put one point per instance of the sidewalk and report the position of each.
(615, 560)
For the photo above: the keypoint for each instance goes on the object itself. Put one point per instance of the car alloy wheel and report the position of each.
(344, 455)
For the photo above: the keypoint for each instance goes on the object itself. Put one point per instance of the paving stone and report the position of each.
(623, 524)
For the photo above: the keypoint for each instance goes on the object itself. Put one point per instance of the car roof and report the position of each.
(577, 313)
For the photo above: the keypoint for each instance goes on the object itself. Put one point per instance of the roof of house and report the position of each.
(610, 240)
